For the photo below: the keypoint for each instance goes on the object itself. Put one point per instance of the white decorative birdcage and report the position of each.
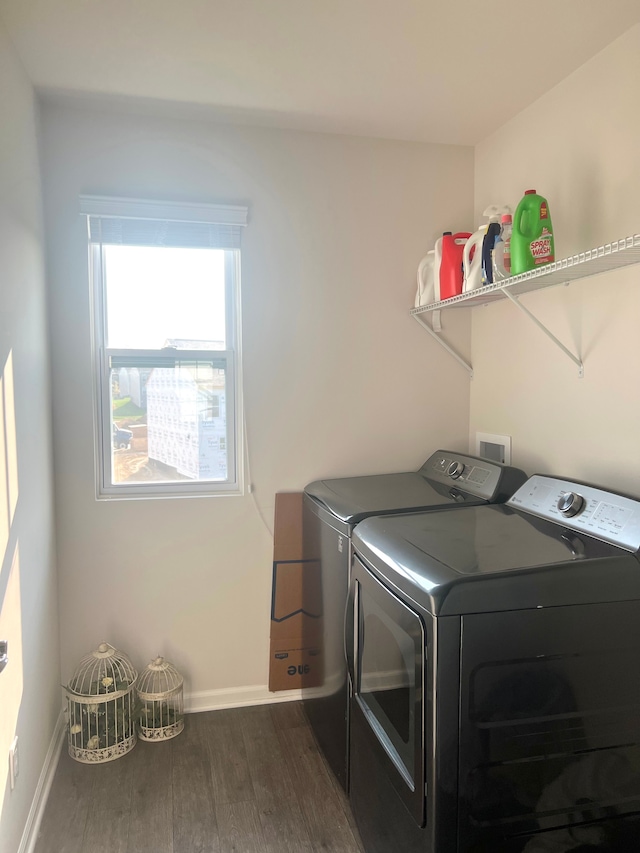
(101, 707)
(160, 701)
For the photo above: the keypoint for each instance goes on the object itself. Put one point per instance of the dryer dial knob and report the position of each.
(570, 504)
(455, 470)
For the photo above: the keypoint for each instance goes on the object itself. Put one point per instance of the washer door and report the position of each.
(389, 684)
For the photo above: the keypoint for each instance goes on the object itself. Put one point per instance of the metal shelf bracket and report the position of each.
(550, 335)
(434, 334)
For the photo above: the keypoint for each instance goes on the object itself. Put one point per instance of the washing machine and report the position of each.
(495, 662)
(331, 509)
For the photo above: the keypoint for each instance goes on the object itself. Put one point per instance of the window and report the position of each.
(165, 286)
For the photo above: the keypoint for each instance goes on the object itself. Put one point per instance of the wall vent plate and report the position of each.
(495, 447)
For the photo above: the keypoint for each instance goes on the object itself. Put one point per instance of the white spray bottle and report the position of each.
(481, 244)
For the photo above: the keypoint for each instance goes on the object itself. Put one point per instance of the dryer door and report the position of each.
(389, 685)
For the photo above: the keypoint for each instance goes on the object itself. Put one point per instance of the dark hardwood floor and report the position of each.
(244, 780)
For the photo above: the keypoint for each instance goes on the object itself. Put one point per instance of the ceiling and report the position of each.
(442, 71)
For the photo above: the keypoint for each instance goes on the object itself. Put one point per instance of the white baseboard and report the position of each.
(237, 697)
(34, 818)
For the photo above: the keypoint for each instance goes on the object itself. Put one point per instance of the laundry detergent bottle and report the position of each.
(451, 263)
(426, 288)
(532, 243)
(472, 260)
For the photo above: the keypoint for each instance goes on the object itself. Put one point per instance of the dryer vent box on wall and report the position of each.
(494, 447)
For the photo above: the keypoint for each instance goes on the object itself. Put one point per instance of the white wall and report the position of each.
(30, 695)
(578, 146)
(338, 378)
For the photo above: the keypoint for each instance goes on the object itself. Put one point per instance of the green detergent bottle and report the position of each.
(532, 238)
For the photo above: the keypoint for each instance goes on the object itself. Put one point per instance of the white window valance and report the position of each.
(140, 222)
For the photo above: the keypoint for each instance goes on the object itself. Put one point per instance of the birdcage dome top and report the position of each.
(159, 678)
(104, 671)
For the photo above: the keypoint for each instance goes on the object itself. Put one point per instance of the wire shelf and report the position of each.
(611, 256)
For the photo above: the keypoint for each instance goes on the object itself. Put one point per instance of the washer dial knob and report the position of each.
(570, 504)
(455, 470)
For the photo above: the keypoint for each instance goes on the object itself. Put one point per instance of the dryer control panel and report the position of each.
(577, 506)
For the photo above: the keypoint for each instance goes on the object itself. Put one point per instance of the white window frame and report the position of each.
(102, 356)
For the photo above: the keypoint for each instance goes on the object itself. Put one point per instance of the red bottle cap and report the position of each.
(529, 192)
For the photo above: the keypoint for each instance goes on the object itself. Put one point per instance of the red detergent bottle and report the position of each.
(532, 243)
(451, 263)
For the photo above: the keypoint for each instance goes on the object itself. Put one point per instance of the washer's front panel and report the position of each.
(549, 727)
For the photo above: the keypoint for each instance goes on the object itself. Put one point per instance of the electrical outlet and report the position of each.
(14, 765)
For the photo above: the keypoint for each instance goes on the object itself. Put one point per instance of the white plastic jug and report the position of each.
(425, 293)
(472, 267)
(437, 260)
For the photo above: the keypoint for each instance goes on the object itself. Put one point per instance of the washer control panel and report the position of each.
(604, 515)
(479, 477)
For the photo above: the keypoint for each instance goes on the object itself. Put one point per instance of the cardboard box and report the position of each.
(295, 598)
(296, 603)
(287, 531)
(294, 665)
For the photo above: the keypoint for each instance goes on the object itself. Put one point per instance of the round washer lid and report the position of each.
(493, 558)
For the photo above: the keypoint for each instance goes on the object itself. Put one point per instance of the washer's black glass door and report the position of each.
(389, 683)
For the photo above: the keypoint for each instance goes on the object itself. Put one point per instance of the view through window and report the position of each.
(167, 422)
